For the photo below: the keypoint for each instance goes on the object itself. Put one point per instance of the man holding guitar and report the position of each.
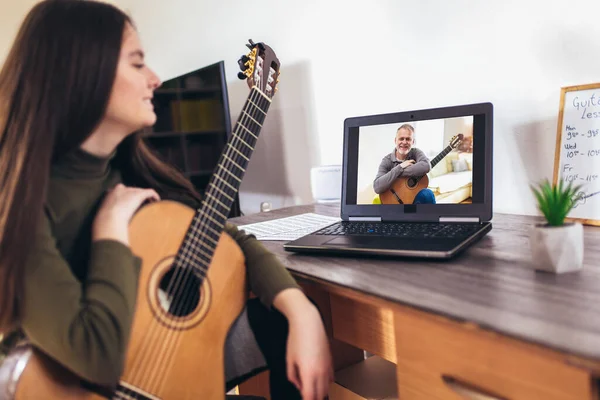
(404, 161)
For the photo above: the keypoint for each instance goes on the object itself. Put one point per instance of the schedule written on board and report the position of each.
(580, 144)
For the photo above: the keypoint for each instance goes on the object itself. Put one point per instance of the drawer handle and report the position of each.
(469, 391)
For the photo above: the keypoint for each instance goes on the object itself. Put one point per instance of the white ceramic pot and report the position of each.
(557, 249)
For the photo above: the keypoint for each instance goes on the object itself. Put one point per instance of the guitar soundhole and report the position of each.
(412, 182)
(179, 292)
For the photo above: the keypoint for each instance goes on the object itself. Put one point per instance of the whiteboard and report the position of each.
(577, 157)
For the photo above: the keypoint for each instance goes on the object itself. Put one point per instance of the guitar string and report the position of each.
(174, 280)
(197, 232)
(119, 396)
(447, 150)
(153, 333)
(185, 254)
(210, 199)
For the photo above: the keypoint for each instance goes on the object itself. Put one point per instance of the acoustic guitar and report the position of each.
(405, 189)
(192, 284)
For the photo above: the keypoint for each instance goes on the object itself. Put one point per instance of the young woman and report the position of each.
(74, 94)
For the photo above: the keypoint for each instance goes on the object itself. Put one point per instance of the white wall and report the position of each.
(348, 58)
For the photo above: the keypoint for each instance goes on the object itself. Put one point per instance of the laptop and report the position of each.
(414, 184)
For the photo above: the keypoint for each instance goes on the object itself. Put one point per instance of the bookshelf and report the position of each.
(193, 124)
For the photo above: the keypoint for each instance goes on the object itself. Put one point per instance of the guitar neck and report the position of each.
(440, 156)
(210, 219)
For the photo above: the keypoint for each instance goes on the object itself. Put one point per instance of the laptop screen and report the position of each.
(419, 161)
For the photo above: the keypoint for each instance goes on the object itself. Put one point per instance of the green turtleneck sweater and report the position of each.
(79, 297)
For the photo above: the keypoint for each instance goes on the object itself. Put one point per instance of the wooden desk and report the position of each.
(482, 323)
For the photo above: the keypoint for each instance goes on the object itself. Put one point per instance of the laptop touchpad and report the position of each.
(365, 241)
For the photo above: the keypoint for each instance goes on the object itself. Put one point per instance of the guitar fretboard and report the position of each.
(440, 156)
(208, 223)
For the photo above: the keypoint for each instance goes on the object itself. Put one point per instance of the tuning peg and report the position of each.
(252, 45)
(242, 63)
(241, 75)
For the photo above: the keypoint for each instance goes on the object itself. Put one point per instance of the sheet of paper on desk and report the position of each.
(289, 228)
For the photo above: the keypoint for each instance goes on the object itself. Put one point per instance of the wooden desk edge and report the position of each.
(590, 365)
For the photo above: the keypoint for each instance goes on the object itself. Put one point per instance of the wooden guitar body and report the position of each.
(406, 189)
(169, 356)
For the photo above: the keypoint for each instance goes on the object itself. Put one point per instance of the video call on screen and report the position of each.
(435, 158)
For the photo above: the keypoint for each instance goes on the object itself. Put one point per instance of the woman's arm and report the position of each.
(266, 274)
(308, 358)
(309, 364)
(84, 326)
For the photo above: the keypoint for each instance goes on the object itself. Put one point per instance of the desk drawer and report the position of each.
(442, 359)
(365, 326)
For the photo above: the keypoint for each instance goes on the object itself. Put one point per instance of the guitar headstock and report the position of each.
(260, 68)
(456, 140)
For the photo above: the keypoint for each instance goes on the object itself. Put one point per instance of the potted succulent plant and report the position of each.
(556, 245)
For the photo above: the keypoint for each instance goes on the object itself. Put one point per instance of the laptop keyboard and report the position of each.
(400, 229)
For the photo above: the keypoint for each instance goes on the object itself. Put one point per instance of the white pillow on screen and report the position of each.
(460, 165)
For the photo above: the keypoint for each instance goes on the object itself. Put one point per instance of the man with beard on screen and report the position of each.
(404, 161)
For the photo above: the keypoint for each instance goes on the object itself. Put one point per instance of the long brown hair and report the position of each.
(54, 90)
(143, 167)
